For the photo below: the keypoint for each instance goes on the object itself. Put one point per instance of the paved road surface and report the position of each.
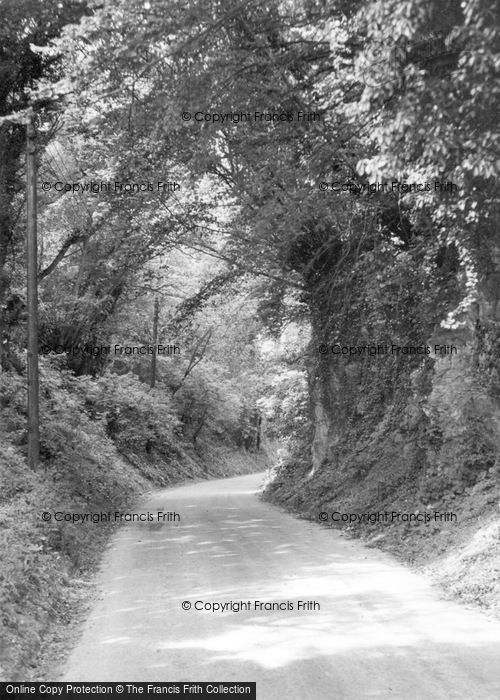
(381, 631)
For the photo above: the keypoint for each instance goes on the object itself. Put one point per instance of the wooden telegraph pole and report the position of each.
(155, 342)
(32, 264)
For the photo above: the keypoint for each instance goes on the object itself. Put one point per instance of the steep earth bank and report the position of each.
(104, 443)
(414, 435)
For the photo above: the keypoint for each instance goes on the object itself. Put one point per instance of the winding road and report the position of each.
(376, 630)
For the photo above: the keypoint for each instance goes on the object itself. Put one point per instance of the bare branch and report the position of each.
(75, 238)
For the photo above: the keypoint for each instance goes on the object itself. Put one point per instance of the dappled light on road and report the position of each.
(344, 609)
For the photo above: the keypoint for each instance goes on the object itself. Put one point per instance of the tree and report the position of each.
(27, 25)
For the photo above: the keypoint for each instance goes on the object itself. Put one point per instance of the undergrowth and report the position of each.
(103, 442)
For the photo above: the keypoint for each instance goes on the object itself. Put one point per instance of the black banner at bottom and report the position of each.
(183, 691)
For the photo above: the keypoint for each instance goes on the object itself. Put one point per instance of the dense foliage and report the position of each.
(266, 239)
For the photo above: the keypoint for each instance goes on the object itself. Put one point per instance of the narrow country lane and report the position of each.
(380, 632)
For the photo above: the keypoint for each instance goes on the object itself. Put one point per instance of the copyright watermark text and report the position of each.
(99, 186)
(254, 117)
(95, 350)
(388, 517)
(116, 516)
(237, 606)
